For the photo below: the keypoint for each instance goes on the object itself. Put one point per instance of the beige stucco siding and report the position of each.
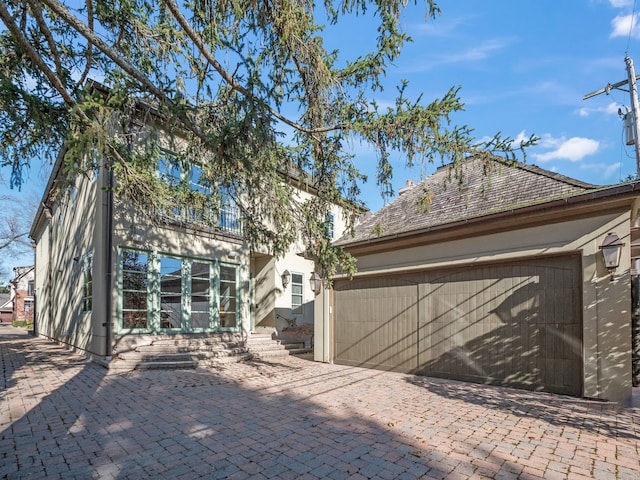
(61, 243)
(605, 303)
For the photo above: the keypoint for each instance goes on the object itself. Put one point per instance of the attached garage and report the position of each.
(517, 324)
(493, 277)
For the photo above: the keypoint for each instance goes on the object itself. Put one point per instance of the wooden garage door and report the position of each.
(376, 322)
(516, 324)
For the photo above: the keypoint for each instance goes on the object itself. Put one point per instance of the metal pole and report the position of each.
(635, 109)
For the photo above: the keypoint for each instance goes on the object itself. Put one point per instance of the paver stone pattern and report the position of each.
(62, 416)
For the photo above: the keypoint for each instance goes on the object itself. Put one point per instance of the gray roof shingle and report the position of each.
(475, 188)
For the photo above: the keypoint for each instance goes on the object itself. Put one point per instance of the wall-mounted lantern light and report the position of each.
(316, 283)
(611, 250)
(285, 277)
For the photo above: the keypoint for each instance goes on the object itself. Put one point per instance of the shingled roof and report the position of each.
(475, 188)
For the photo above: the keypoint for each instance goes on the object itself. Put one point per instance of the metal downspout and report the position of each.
(109, 261)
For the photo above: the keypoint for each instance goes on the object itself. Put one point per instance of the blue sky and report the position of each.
(523, 67)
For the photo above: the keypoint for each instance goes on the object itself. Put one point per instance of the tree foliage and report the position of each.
(248, 87)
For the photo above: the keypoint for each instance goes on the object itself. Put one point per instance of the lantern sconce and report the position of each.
(611, 250)
(285, 277)
(316, 283)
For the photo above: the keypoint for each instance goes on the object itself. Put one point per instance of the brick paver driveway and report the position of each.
(63, 417)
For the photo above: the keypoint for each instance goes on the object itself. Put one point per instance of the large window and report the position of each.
(87, 282)
(199, 208)
(135, 290)
(297, 293)
(328, 226)
(166, 293)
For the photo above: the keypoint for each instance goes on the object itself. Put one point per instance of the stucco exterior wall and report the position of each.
(61, 243)
(606, 303)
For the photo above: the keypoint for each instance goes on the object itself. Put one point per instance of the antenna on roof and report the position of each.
(632, 118)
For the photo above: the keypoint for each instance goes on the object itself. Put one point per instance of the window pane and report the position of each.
(134, 281)
(228, 313)
(170, 292)
(169, 170)
(228, 275)
(200, 295)
(198, 182)
(134, 291)
(297, 292)
(170, 311)
(134, 320)
(200, 320)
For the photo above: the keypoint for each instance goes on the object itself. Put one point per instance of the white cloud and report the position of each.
(625, 25)
(573, 149)
(621, 3)
(475, 53)
(605, 171)
(521, 137)
(611, 109)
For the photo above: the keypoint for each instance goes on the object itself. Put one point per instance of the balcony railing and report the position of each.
(227, 220)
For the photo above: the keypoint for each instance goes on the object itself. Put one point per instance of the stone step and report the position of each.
(120, 364)
(294, 346)
(159, 364)
(213, 361)
(164, 348)
(265, 347)
(196, 342)
(270, 353)
(299, 351)
(153, 357)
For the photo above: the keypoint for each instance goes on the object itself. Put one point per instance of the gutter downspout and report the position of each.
(35, 294)
(109, 260)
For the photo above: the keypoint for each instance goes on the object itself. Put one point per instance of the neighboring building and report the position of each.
(23, 293)
(112, 280)
(492, 274)
(6, 308)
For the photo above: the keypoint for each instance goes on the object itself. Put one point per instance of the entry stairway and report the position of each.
(192, 351)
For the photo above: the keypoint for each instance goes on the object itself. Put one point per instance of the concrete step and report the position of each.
(120, 364)
(270, 353)
(186, 348)
(224, 360)
(299, 351)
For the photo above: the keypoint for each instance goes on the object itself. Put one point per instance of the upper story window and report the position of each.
(30, 288)
(169, 169)
(329, 225)
(198, 208)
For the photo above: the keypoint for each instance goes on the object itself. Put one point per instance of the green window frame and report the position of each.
(133, 285)
(181, 294)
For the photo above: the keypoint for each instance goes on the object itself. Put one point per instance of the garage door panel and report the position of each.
(516, 324)
(380, 327)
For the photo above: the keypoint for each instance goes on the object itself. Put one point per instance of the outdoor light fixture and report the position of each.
(286, 276)
(316, 283)
(611, 250)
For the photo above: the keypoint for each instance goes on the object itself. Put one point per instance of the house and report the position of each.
(492, 272)
(6, 308)
(22, 293)
(132, 287)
